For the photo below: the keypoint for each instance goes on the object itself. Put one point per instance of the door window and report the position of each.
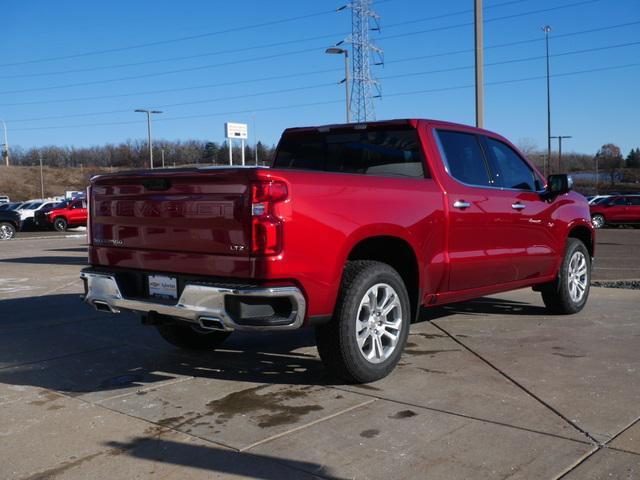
(464, 157)
(634, 201)
(511, 171)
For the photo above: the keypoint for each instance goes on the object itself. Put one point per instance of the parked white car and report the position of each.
(28, 210)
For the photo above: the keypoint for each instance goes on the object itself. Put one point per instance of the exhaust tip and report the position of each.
(212, 323)
(103, 306)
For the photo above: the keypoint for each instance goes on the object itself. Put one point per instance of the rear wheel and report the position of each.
(569, 292)
(7, 231)
(192, 337)
(367, 334)
(60, 224)
(598, 220)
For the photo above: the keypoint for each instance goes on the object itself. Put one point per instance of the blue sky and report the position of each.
(238, 76)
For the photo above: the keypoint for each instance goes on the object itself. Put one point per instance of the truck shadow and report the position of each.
(48, 260)
(57, 342)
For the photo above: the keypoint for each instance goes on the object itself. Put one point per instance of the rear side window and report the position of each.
(464, 157)
(511, 171)
(374, 151)
(634, 201)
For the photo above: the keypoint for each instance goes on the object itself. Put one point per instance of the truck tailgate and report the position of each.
(203, 211)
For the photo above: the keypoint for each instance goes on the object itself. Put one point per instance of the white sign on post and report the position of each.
(235, 130)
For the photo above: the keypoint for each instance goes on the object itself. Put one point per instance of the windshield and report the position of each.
(62, 204)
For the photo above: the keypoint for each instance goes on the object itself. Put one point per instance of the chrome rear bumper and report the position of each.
(200, 304)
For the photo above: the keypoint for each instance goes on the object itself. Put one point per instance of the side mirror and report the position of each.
(559, 184)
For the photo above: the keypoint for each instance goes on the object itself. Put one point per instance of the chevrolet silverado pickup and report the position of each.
(352, 231)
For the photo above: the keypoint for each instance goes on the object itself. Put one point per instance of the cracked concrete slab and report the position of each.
(386, 440)
(607, 464)
(435, 372)
(235, 414)
(584, 365)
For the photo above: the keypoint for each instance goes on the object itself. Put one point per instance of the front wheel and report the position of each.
(192, 337)
(60, 224)
(569, 292)
(598, 220)
(367, 334)
(7, 231)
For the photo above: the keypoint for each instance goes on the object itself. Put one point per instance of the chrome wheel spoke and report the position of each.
(378, 323)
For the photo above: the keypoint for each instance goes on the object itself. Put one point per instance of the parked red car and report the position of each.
(67, 214)
(353, 230)
(616, 210)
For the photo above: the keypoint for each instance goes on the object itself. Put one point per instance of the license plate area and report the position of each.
(163, 286)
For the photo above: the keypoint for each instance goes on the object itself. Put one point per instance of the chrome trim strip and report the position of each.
(196, 301)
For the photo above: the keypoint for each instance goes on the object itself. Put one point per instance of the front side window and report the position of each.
(373, 151)
(464, 157)
(634, 201)
(511, 171)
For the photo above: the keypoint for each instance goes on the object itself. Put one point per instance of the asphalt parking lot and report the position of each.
(493, 388)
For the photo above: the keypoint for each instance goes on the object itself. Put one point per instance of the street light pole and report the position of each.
(560, 137)
(149, 112)
(479, 64)
(41, 177)
(347, 76)
(546, 29)
(6, 143)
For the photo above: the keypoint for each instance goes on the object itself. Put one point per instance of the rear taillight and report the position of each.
(89, 239)
(266, 225)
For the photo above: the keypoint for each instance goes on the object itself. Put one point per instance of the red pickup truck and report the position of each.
(353, 230)
(72, 213)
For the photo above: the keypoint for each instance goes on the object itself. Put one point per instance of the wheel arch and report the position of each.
(585, 235)
(396, 252)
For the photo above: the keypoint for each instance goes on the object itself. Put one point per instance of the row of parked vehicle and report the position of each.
(54, 214)
(615, 209)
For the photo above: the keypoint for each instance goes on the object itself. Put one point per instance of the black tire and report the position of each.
(557, 295)
(337, 340)
(7, 231)
(191, 337)
(598, 220)
(60, 224)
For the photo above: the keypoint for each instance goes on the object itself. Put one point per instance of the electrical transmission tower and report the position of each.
(364, 54)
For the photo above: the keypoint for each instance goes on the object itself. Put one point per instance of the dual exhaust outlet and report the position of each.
(206, 323)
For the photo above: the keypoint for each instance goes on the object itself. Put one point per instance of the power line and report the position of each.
(173, 40)
(310, 87)
(179, 89)
(283, 107)
(314, 72)
(221, 52)
(284, 54)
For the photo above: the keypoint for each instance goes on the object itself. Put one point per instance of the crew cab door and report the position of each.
(534, 247)
(497, 235)
(479, 230)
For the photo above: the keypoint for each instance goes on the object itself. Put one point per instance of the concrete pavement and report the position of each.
(493, 388)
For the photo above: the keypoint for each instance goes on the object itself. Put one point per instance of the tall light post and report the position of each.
(5, 152)
(41, 177)
(479, 64)
(347, 79)
(560, 138)
(149, 113)
(546, 29)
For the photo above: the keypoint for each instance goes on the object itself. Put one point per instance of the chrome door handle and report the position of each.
(461, 204)
(518, 206)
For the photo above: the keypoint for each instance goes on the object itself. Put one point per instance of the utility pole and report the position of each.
(479, 64)
(546, 29)
(149, 112)
(560, 137)
(162, 154)
(347, 80)
(6, 144)
(255, 139)
(41, 177)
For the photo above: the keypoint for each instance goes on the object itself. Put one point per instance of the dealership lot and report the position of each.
(493, 388)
